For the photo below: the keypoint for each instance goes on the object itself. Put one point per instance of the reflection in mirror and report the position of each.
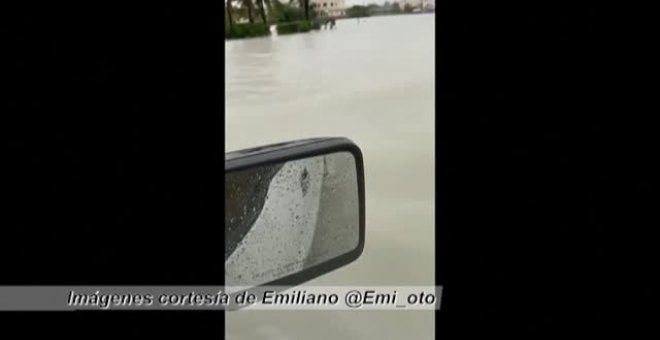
(283, 218)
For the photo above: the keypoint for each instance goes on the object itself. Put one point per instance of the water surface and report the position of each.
(372, 82)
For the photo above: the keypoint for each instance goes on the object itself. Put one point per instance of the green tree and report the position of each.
(230, 20)
(250, 7)
(357, 11)
(268, 5)
(262, 11)
(286, 12)
(305, 6)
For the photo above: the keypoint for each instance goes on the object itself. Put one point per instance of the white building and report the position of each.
(329, 8)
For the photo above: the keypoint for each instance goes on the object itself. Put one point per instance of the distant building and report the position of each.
(329, 8)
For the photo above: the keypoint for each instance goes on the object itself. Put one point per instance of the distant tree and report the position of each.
(230, 20)
(250, 7)
(262, 11)
(286, 12)
(305, 7)
(357, 11)
(407, 8)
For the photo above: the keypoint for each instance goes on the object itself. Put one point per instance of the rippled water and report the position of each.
(372, 82)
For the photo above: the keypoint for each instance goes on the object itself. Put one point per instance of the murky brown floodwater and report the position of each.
(372, 82)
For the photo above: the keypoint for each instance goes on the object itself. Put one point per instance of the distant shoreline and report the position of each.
(383, 15)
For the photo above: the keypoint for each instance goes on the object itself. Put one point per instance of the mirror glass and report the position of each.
(287, 217)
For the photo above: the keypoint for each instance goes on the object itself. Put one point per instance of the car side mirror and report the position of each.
(293, 211)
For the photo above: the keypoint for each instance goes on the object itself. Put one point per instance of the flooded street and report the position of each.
(372, 82)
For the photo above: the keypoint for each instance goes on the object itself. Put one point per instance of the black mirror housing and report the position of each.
(293, 211)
